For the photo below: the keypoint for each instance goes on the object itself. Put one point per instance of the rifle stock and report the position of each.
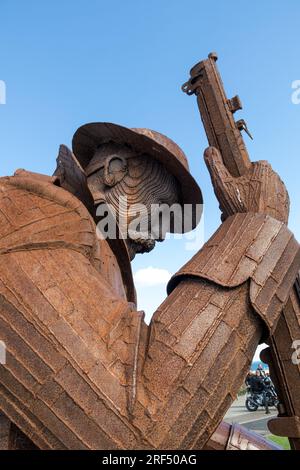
(216, 111)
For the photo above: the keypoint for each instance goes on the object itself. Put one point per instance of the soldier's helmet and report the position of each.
(89, 137)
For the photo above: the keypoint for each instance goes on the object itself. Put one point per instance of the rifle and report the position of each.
(224, 133)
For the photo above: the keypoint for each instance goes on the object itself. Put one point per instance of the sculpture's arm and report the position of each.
(69, 342)
(261, 190)
(203, 337)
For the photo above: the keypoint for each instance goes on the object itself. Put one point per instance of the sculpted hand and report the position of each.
(258, 190)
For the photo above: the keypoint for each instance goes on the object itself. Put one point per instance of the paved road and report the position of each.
(256, 420)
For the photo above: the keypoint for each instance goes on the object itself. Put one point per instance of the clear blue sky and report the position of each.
(67, 62)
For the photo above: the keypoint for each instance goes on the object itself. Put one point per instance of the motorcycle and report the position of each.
(256, 399)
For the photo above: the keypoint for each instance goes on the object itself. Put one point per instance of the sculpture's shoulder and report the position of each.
(249, 246)
(35, 212)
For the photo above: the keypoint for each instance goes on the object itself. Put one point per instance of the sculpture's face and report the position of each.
(135, 187)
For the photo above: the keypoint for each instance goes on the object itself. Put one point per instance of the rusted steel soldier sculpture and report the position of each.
(83, 370)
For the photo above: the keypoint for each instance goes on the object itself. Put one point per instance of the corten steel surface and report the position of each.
(285, 373)
(83, 370)
(87, 139)
(217, 111)
(242, 186)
